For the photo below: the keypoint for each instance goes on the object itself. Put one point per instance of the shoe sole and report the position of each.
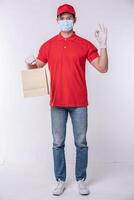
(84, 194)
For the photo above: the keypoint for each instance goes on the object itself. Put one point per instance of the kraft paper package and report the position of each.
(35, 82)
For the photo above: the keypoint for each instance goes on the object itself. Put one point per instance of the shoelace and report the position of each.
(59, 183)
(82, 183)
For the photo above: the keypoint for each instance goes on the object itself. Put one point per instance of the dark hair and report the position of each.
(67, 12)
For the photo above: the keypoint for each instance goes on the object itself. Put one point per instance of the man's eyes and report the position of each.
(66, 18)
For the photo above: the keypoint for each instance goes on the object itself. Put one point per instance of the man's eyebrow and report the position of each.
(66, 17)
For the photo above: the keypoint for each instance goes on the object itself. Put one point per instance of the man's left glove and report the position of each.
(101, 36)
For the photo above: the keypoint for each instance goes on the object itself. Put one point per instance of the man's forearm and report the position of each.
(103, 60)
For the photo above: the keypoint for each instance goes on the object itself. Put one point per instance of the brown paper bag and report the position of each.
(35, 82)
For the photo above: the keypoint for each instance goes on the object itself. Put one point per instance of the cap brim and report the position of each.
(65, 12)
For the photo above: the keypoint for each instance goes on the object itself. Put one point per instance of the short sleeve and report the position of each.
(43, 52)
(92, 52)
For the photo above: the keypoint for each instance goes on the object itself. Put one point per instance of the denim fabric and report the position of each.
(79, 119)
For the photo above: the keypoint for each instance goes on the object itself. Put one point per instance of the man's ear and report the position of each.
(58, 17)
(75, 19)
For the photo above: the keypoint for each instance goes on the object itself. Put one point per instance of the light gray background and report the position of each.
(25, 126)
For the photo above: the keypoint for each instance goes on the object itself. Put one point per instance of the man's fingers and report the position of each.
(105, 30)
(97, 33)
(102, 28)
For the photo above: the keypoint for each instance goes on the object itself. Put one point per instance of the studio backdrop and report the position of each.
(25, 123)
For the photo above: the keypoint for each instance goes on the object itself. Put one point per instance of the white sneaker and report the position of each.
(59, 189)
(83, 190)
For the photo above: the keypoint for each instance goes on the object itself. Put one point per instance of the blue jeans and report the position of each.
(79, 119)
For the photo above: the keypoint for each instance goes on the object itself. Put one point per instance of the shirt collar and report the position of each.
(72, 37)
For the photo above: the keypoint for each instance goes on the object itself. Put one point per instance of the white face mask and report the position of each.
(66, 25)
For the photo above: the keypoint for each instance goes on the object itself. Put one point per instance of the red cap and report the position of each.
(65, 8)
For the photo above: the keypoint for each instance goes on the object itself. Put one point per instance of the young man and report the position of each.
(66, 54)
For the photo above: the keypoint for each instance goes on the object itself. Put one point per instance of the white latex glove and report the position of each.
(31, 62)
(101, 36)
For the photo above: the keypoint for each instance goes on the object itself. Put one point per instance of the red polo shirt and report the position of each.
(66, 60)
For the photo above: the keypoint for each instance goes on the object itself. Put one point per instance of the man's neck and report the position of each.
(67, 34)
